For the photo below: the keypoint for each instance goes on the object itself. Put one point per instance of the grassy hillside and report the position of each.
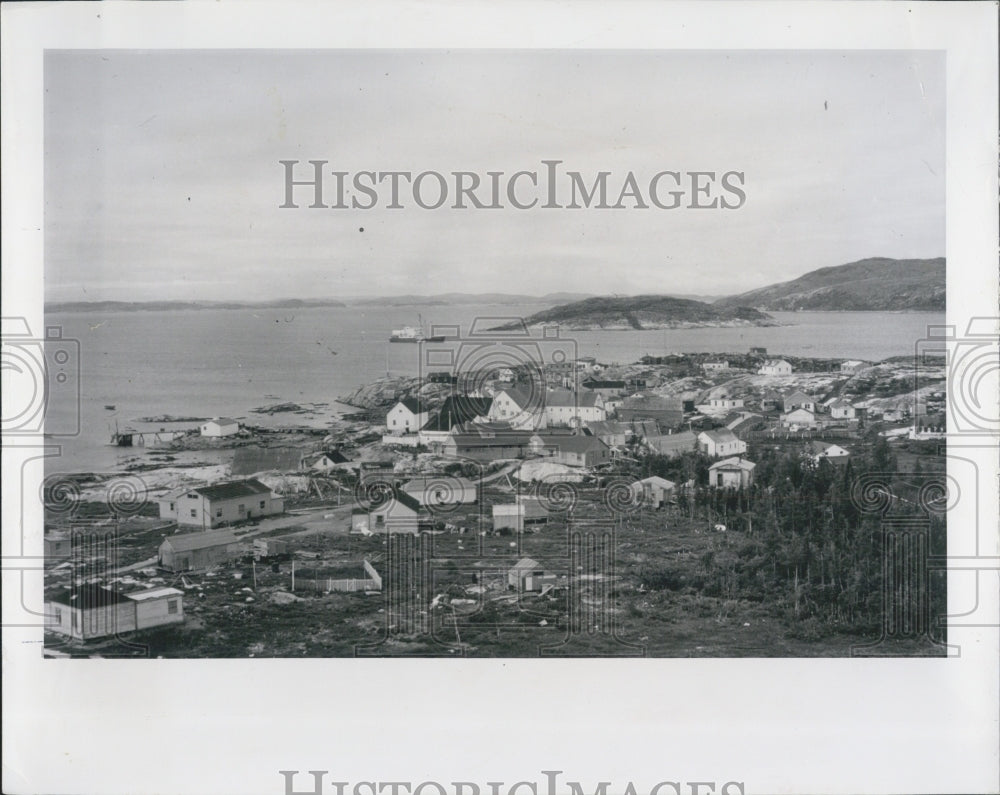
(878, 284)
(644, 312)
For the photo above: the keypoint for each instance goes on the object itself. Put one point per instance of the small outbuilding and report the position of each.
(732, 473)
(529, 575)
(190, 551)
(219, 426)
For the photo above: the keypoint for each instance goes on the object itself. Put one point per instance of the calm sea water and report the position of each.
(205, 363)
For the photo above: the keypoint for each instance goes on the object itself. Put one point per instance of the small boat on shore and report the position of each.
(110, 407)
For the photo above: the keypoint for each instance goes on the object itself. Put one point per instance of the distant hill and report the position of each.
(163, 306)
(877, 284)
(645, 312)
(443, 299)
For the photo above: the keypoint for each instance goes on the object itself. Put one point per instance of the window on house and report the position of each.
(172, 606)
(262, 504)
(58, 616)
(194, 513)
(242, 508)
(379, 519)
(173, 506)
(218, 514)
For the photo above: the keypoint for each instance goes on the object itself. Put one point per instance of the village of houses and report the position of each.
(441, 522)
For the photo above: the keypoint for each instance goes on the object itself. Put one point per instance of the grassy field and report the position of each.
(631, 584)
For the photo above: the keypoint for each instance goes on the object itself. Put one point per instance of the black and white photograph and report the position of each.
(506, 353)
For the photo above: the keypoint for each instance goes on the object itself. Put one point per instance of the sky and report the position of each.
(163, 180)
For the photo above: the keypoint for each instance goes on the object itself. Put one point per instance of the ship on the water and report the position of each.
(413, 334)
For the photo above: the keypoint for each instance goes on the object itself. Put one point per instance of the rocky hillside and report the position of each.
(645, 312)
(877, 284)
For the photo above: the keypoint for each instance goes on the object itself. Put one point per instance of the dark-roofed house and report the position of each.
(223, 503)
(94, 611)
(745, 423)
(251, 460)
(89, 611)
(605, 388)
(611, 432)
(731, 473)
(328, 460)
(191, 551)
(720, 442)
(454, 412)
(487, 444)
(574, 451)
(401, 513)
(667, 412)
(408, 416)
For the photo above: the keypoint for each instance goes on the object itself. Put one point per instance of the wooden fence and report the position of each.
(373, 582)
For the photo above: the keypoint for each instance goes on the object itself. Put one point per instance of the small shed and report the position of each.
(654, 491)
(518, 515)
(219, 426)
(732, 473)
(155, 607)
(197, 550)
(529, 575)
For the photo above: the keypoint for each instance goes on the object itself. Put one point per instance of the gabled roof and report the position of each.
(526, 564)
(223, 421)
(774, 362)
(232, 489)
(840, 403)
(720, 435)
(656, 480)
(411, 404)
(458, 409)
(519, 396)
(737, 462)
(572, 444)
(745, 422)
(335, 456)
(799, 395)
(191, 541)
(581, 399)
(598, 427)
(408, 500)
